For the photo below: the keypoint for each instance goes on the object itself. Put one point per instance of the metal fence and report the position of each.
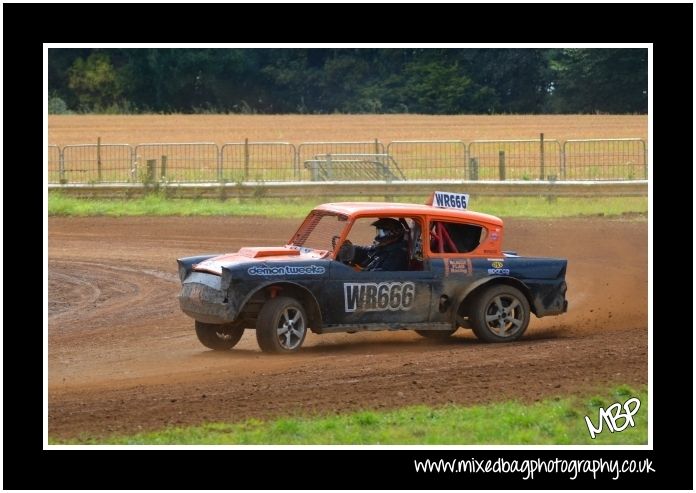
(605, 159)
(257, 161)
(428, 160)
(308, 153)
(527, 160)
(354, 167)
(55, 167)
(110, 163)
(184, 162)
(533, 159)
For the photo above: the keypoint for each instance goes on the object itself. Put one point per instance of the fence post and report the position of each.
(163, 168)
(329, 167)
(379, 159)
(61, 167)
(246, 159)
(645, 159)
(563, 161)
(541, 156)
(501, 165)
(99, 164)
(134, 162)
(384, 161)
(295, 163)
(473, 168)
(151, 165)
(221, 152)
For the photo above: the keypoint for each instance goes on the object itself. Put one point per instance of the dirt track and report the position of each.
(123, 358)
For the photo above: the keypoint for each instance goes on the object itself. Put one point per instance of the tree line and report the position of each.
(348, 80)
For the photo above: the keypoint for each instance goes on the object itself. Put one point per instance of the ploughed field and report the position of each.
(135, 129)
(123, 358)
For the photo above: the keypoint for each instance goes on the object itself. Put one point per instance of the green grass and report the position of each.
(553, 421)
(550, 207)
(159, 205)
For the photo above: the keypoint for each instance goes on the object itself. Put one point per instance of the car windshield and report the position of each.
(319, 230)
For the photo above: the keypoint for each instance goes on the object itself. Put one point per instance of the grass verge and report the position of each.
(558, 421)
(159, 205)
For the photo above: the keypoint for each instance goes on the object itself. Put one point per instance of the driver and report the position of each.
(389, 250)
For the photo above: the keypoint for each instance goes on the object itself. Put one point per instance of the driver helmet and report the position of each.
(388, 230)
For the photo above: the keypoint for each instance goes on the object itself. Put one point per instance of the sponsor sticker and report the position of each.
(285, 270)
(459, 266)
(378, 297)
(501, 272)
(496, 264)
(494, 235)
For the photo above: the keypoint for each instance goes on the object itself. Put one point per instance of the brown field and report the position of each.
(135, 129)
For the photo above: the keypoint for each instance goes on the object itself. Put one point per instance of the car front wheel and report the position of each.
(219, 337)
(281, 325)
(500, 314)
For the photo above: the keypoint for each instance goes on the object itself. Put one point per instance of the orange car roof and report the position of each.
(394, 209)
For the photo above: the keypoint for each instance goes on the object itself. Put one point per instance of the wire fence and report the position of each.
(204, 162)
(103, 163)
(183, 162)
(515, 160)
(606, 159)
(54, 165)
(310, 155)
(427, 160)
(257, 161)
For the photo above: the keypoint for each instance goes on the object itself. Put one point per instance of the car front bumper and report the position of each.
(202, 299)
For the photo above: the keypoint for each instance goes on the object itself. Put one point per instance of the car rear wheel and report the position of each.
(436, 334)
(281, 325)
(220, 337)
(500, 313)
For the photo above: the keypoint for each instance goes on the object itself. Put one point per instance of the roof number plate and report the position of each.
(448, 200)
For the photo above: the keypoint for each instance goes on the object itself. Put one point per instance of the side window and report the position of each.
(416, 242)
(362, 234)
(446, 237)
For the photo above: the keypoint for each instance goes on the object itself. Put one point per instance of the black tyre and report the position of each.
(436, 334)
(281, 325)
(499, 313)
(219, 337)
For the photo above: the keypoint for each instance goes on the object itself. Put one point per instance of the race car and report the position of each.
(455, 276)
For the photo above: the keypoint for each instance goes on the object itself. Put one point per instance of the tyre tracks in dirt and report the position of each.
(123, 358)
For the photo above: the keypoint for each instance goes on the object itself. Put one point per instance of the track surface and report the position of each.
(123, 358)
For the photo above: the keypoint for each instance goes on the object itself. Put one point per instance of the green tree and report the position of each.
(436, 87)
(354, 80)
(519, 78)
(608, 80)
(95, 82)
